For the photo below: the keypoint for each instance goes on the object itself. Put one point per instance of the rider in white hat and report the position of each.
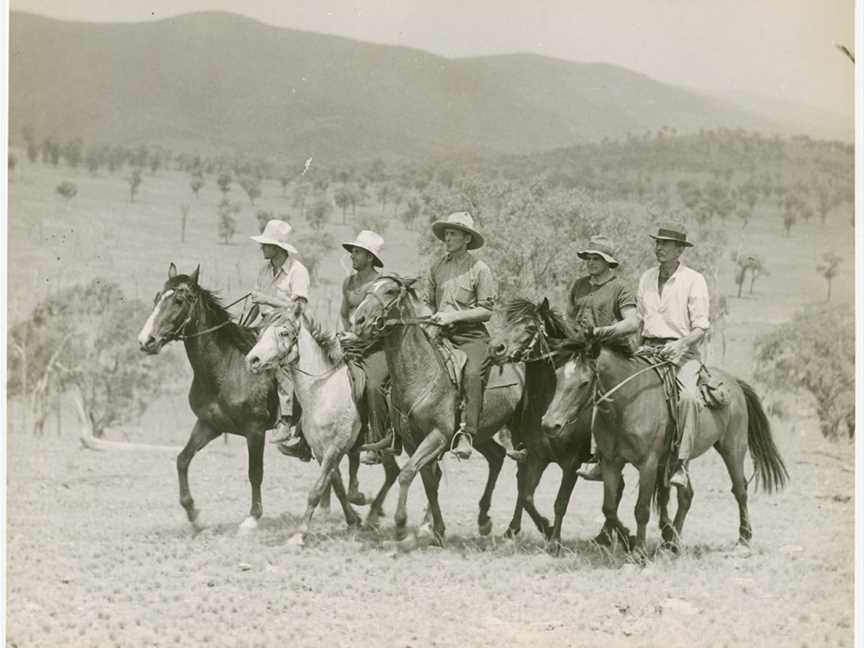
(282, 282)
(365, 252)
(461, 293)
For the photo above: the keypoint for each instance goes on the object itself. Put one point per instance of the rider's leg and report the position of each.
(688, 418)
(591, 470)
(476, 372)
(285, 388)
(375, 366)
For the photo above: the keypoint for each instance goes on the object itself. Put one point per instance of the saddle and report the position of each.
(712, 389)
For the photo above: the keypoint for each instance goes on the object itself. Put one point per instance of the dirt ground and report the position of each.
(99, 554)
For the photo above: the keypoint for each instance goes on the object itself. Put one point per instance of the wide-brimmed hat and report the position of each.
(277, 233)
(671, 232)
(601, 246)
(369, 241)
(461, 221)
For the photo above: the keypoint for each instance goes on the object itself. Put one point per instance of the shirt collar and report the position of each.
(609, 278)
(674, 273)
(457, 256)
(280, 269)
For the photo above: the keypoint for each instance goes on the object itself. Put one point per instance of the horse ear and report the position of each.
(194, 275)
(543, 306)
(410, 281)
(172, 270)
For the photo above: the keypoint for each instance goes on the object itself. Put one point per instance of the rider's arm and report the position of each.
(628, 325)
(345, 309)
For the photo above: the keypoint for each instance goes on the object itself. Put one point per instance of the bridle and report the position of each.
(179, 332)
(382, 323)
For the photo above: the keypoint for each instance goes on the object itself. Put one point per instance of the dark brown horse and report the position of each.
(632, 426)
(530, 332)
(225, 397)
(424, 399)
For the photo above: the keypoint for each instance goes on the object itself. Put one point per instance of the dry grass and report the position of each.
(99, 553)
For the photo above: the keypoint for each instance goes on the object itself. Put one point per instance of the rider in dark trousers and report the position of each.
(461, 293)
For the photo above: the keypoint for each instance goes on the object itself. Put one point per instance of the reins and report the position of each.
(178, 333)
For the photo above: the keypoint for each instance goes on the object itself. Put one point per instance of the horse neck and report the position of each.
(208, 352)
(312, 358)
(411, 359)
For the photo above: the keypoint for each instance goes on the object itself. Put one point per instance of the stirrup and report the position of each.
(454, 445)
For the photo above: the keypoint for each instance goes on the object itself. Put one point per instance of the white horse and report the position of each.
(330, 420)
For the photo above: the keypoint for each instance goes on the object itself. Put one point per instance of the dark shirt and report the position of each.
(598, 304)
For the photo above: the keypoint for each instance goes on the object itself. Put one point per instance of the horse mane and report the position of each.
(325, 339)
(240, 337)
(519, 310)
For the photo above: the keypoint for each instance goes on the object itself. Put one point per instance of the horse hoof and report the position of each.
(196, 520)
(511, 533)
(485, 528)
(354, 523)
(297, 540)
(553, 548)
(248, 525)
(603, 539)
(671, 547)
(408, 543)
(357, 499)
(437, 540)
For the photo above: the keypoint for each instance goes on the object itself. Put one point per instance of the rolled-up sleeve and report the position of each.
(487, 288)
(300, 282)
(640, 297)
(698, 303)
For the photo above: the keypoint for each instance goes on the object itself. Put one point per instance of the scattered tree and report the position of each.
(184, 216)
(134, 180)
(263, 216)
(224, 183)
(68, 190)
(227, 222)
(196, 183)
(828, 269)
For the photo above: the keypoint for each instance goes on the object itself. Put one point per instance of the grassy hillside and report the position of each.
(226, 81)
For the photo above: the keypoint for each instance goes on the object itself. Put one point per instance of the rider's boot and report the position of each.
(591, 470)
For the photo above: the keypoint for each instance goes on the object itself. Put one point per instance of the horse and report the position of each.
(529, 331)
(224, 396)
(425, 400)
(632, 427)
(331, 421)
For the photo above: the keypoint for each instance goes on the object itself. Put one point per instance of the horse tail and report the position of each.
(767, 462)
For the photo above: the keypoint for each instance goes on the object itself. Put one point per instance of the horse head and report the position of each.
(526, 332)
(173, 308)
(573, 387)
(277, 342)
(384, 298)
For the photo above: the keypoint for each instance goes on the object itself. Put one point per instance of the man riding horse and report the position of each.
(282, 282)
(365, 253)
(672, 301)
(461, 292)
(603, 303)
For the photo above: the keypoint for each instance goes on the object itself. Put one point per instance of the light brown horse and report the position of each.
(425, 400)
(631, 426)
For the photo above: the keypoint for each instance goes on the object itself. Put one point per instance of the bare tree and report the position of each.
(134, 180)
(184, 215)
(828, 269)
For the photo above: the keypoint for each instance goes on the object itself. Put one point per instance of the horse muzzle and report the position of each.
(255, 365)
(151, 346)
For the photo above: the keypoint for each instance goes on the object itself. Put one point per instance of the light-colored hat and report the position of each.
(601, 246)
(277, 233)
(369, 241)
(461, 221)
(671, 232)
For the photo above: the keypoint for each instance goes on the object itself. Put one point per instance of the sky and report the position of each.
(778, 49)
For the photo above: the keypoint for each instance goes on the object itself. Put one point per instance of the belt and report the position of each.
(657, 341)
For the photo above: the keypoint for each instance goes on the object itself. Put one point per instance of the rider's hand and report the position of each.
(674, 351)
(258, 297)
(602, 332)
(442, 319)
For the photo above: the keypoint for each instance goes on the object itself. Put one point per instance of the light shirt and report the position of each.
(682, 307)
(460, 283)
(289, 282)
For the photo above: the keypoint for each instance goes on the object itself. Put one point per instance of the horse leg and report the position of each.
(255, 449)
(533, 473)
(515, 525)
(670, 541)
(562, 500)
(354, 495)
(642, 511)
(604, 538)
(494, 455)
(685, 498)
(391, 472)
(351, 517)
(431, 475)
(431, 446)
(329, 464)
(202, 434)
(734, 460)
(611, 498)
